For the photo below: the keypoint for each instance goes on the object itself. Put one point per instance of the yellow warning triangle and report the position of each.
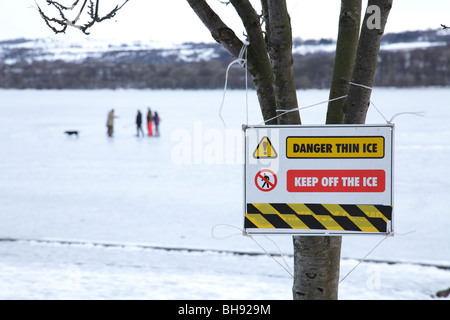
(265, 149)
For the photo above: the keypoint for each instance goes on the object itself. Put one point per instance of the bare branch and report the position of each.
(219, 30)
(60, 24)
(63, 7)
(81, 11)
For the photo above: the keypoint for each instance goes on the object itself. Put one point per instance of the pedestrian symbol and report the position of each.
(264, 149)
(266, 180)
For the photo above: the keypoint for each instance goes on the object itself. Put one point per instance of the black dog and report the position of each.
(69, 133)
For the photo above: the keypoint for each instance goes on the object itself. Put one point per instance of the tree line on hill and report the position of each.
(428, 66)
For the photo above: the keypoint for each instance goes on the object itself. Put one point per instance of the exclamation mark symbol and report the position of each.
(264, 149)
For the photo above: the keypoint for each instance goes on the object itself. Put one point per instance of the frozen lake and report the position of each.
(87, 209)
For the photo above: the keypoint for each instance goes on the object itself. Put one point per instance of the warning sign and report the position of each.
(324, 180)
(264, 149)
(335, 180)
(335, 147)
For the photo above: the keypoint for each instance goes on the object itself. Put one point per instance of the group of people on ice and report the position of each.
(152, 120)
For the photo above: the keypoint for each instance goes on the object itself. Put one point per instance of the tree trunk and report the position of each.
(358, 101)
(317, 259)
(346, 46)
(316, 267)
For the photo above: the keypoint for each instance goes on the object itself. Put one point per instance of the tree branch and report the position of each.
(346, 46)
(260, 66)
(219, 30)
(257, 61)
(358, 101)
(279, 42)
(60, 24)
(63, 7)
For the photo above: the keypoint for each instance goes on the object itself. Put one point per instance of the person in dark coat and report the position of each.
(156, 121)
(139, 123)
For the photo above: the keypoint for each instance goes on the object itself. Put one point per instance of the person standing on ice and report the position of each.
(139, 123)
(110, 123)
(156, 120)
(150, 122)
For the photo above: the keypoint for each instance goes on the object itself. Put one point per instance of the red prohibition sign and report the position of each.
(266, 180)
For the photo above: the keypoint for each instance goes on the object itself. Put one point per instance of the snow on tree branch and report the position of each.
(87, 10)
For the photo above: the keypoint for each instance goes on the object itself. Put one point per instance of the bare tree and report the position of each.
(316, 259)
(270, 63)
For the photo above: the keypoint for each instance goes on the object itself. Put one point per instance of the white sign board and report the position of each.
(321, 180)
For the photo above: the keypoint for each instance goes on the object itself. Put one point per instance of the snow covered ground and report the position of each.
(157, 218)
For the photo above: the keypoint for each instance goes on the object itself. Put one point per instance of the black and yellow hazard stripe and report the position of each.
(333, 217)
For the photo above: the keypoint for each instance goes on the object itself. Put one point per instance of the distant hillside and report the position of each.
(414, 58)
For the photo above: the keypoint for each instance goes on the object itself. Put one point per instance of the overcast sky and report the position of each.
(174, 20)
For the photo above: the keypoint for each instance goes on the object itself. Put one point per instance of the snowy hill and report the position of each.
(51, 49)
(12, 51)
(66, 63)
